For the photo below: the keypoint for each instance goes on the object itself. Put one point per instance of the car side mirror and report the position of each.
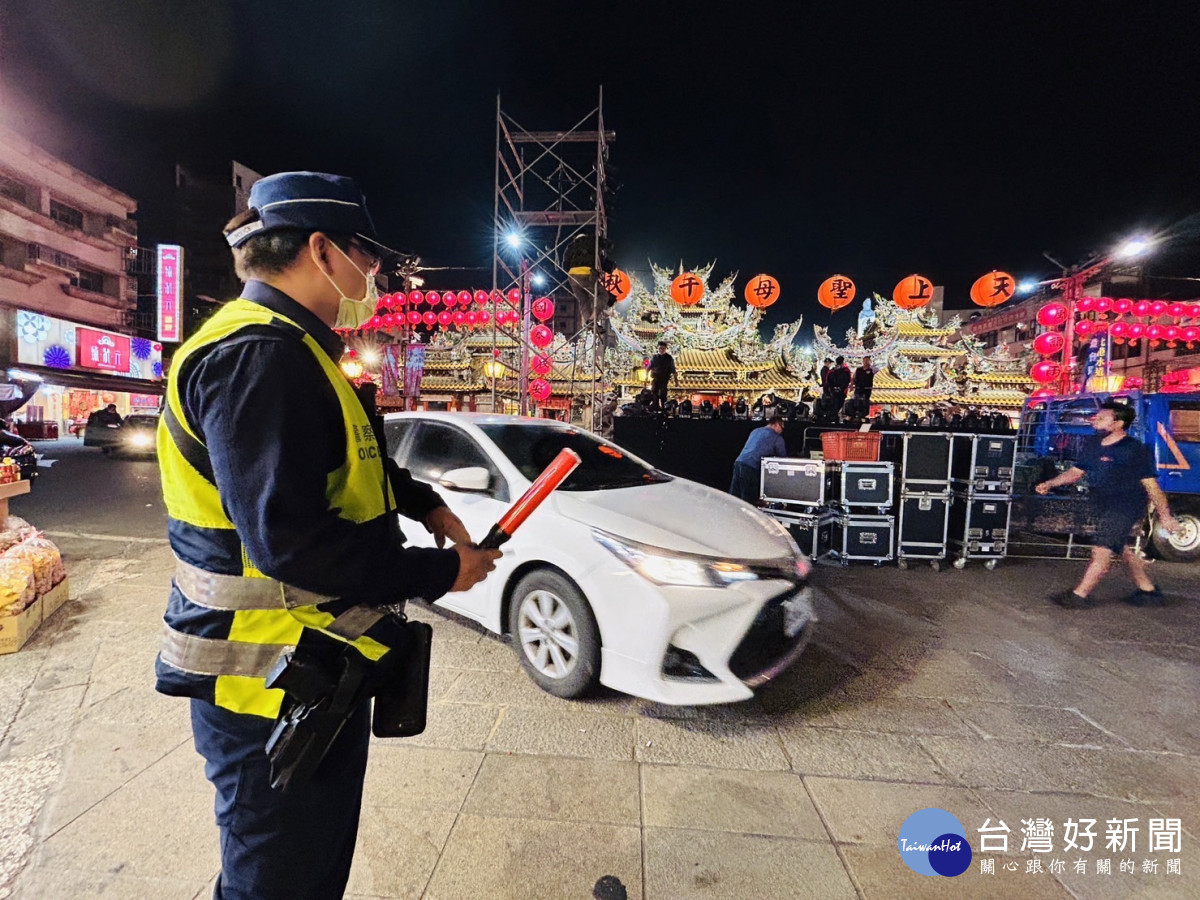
(470, 479)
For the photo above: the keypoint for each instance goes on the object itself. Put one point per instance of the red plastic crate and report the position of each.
(851, 446)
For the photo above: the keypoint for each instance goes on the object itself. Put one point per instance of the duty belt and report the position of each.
(217, 656)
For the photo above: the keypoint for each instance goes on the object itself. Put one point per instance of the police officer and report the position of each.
(283, 525)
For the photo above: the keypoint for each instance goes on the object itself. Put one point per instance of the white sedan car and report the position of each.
(652, 585)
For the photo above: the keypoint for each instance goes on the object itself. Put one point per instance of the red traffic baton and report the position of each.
(543, 486)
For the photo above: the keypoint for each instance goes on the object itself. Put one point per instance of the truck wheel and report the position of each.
(1183, 545)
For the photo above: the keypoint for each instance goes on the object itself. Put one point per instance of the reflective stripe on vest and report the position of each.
(266, 615)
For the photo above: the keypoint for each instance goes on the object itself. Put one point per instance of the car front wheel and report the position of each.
(555, 634)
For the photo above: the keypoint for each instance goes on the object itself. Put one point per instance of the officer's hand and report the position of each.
(473, 565)
(1043, 488)
(444, 524)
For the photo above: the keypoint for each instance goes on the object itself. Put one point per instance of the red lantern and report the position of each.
(449, 299)
(1193, 310)
(539, 389)
(1085, 304)
(687, 289)
(481, 297)
(1154, 332)
(1136, 330)
(1176, 310)
(541, 365)
(541, 336)
(1052, 314)
(762, 291)
(513, 296)
(484, 317)
(1123, 307)
(992, 289)
(445, 317)
(389, 321)
(1103, 304)
(1045, 371)
(464, 297)
(1048, 343)
(414, 317)
(430, 318)
(836, 292)
(1158, 308)
(1172, 332)
(913, 292)
(1142, 308)
(472, 319)
(1043, 392)
(542, 309)
(401, 298)
(1191, 333)
(1085, 327)
(433, 298)
(460, 318)
(415, 298)
(1119, 329)
(616, 283)
(375, 322)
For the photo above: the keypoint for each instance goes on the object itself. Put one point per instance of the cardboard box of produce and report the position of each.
(54, 598)
(16, 630)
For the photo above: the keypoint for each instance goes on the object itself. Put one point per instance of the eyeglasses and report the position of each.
(374, 262)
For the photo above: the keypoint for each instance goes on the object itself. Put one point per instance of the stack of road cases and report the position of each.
(796, 492)
(862, 492)
(981, 505)
(923, 505)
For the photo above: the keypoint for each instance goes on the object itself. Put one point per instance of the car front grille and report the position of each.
(766, 650)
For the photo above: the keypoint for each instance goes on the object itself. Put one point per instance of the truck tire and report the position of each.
(1184, 545)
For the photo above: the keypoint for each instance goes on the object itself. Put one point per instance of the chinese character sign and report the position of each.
(616, 283)
(102, 350)
(687, 289)
(762, 291)
(913, 292)
(170, 292)
(836, 292)
(993, 289)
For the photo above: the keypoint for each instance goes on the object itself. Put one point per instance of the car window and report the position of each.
(395, 431)
(604, 466)
(142, 421)
(438, 448)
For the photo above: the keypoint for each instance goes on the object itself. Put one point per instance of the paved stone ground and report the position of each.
(960, 690)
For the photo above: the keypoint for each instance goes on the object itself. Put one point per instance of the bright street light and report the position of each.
(514, 239)
(370, 357)
(538, 279)
(1133, 248)
(1028, 286)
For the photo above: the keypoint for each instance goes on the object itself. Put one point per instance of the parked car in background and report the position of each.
(138, 436)
(652, 585)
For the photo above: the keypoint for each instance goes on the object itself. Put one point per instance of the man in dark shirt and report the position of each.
(837, 383)
(747, 468)
(662, 369)
(1121, 474)
(864, 381)
(270, 427)
(825, 374)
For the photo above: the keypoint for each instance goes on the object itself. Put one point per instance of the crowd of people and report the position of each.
(845, 399)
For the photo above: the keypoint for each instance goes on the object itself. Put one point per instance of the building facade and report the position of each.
(67, 300)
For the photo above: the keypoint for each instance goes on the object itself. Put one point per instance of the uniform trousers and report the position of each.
(277, 844)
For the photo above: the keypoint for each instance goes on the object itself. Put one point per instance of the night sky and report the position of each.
(790, 138)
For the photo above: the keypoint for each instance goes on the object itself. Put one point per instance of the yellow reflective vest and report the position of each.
(224, 630)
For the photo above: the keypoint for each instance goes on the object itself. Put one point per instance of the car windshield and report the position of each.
(142, 421)
(605, 466)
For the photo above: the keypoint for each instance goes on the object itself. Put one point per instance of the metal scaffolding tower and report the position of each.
(549, 211)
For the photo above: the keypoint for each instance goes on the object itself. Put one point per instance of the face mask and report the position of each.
(353, 314)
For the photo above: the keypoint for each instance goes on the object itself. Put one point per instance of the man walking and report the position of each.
(662, 369)
(1121, 475)
(747, 468)
(282, 518)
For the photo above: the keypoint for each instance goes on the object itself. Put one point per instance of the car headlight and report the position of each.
(141, 439)
(689, 570)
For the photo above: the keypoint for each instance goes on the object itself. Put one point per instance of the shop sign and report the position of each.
(170, 291)
(101, 350)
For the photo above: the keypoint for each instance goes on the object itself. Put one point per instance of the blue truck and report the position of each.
(1053, 430)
